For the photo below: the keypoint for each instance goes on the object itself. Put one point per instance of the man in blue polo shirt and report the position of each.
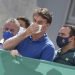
(32, 43)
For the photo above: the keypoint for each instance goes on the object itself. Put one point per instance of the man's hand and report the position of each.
(14, 53)
(32, 29)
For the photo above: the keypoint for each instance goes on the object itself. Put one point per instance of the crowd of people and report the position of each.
(31, 40)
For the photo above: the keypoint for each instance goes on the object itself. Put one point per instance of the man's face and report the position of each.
(22, 23)
(41, 21)
(64, 32)
(12, 27)
(63, 38)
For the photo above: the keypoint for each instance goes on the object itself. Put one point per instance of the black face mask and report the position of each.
(62, 41)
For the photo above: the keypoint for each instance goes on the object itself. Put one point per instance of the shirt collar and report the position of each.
(40, 39)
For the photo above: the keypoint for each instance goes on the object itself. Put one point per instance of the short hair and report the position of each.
(44, 13)
(72, 27)
(13, 20)
(27, 22)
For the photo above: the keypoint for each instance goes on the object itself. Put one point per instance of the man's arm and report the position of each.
(11, 43)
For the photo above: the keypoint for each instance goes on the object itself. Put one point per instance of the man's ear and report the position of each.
(72, 38)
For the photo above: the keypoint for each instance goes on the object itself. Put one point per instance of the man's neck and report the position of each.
(67, 48)
(37, 36)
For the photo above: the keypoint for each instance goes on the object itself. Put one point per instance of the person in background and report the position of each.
(66, 42)
(10, 29)
(32, 43)
(24, 22)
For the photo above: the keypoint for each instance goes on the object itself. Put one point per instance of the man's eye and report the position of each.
(12, 30)
(6, 29)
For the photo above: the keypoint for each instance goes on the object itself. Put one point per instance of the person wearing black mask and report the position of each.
(66, 42)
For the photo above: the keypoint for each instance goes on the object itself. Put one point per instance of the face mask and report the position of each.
(7, 35)
(21, 30)
(62, 41)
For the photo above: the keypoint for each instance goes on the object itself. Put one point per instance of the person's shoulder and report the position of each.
(50, 44)
(50, 47)
(48, 40)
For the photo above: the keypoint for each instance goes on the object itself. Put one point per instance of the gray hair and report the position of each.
(13, 20)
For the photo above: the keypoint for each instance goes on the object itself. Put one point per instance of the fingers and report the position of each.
(14, 53)
(32, 29)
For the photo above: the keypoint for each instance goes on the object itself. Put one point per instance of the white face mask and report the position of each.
(21, 30)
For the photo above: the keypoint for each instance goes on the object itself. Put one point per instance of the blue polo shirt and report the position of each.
(42, 48)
